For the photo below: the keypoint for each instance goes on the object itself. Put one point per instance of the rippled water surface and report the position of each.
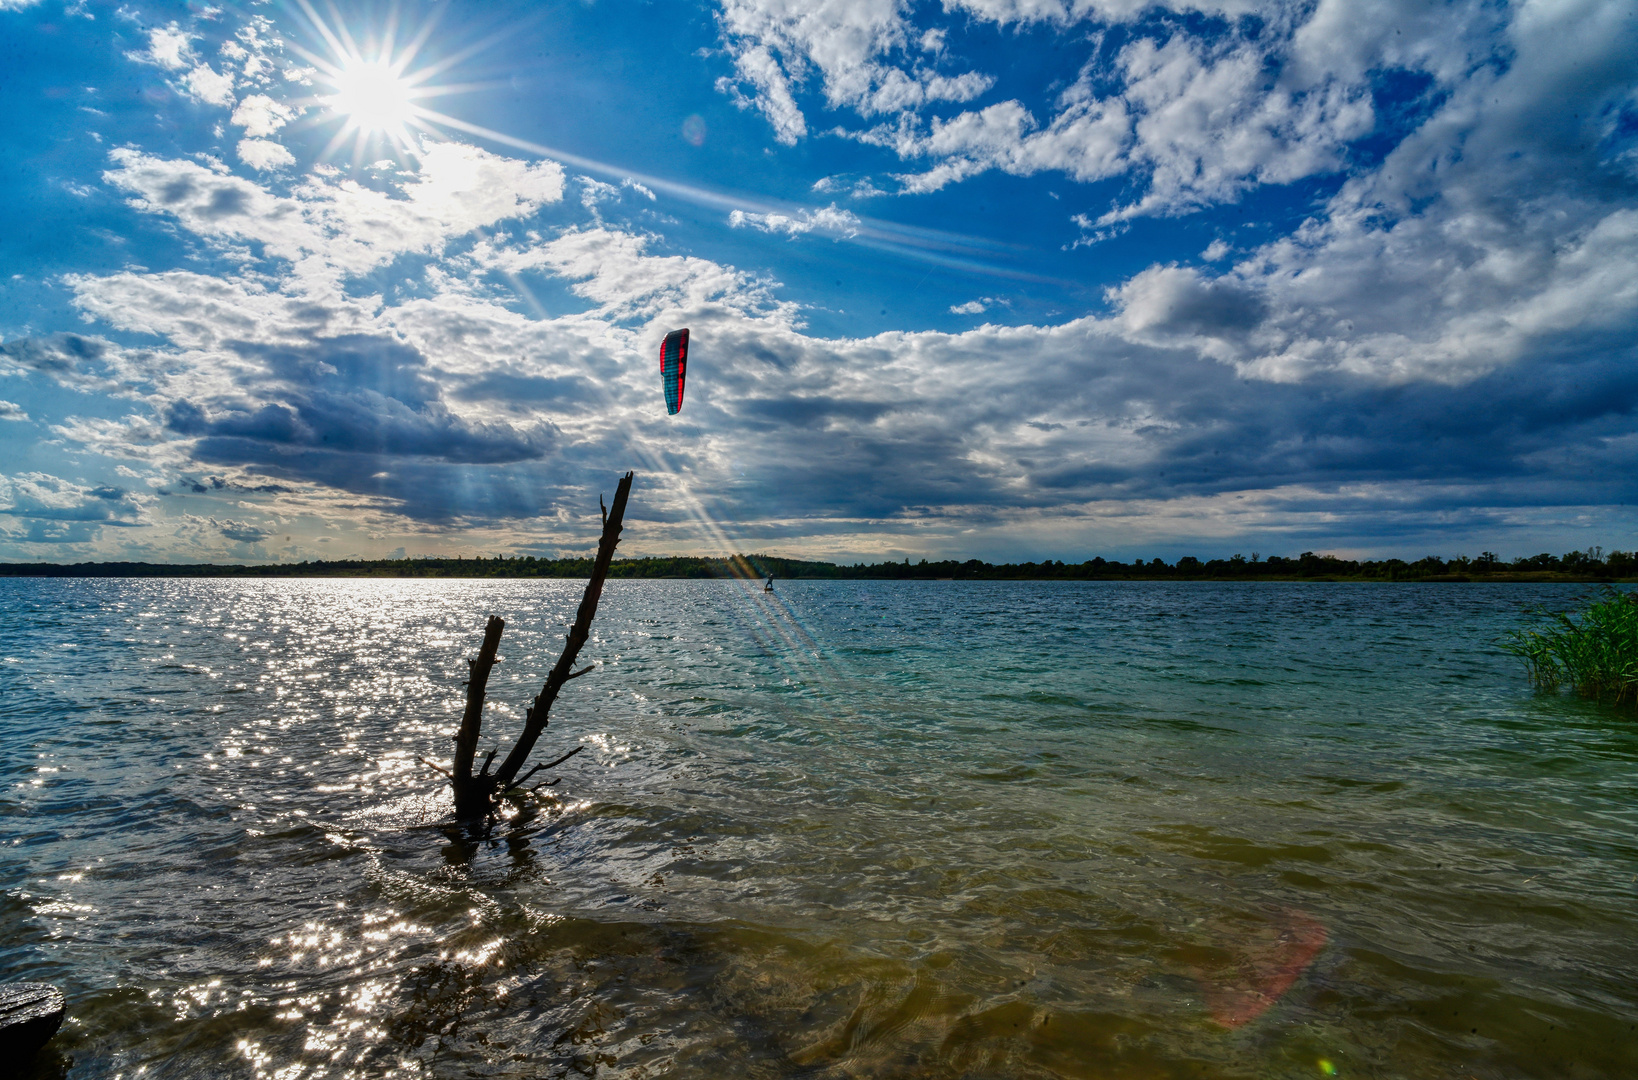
(849, 830)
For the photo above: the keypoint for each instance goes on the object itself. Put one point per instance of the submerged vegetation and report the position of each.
(1593, 652)
(1590, 565)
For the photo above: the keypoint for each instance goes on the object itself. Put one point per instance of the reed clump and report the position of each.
(1593, 652)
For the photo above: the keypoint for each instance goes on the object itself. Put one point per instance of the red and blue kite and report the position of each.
(674, 368)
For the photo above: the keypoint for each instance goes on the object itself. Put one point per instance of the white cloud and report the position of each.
(1207, 127)
(52, 510)
(1216, 250)
(593, 192)
(1490, 232)
(774, 45)
(12, 411)
(209, 86)
(857, 187)
(1193, 117)
(971, 307)
(1202, 127)
(830, 220)
(169, 47)
(1088, 141)
(264, 155)
(1451, 295)
(261, 116)
(329, 226)
(615, 271)
(772, 94)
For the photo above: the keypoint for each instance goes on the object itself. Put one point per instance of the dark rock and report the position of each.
(30, 1014)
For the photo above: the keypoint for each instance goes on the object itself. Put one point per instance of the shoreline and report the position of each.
(758, 567)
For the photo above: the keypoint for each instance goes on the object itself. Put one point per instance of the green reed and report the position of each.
(1593, 652)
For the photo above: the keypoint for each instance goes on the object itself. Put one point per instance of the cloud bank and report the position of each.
(1445, 346)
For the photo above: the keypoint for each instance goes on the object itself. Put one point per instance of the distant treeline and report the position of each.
(1591, 565)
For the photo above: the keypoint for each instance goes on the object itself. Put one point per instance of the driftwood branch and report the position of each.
(476, 795)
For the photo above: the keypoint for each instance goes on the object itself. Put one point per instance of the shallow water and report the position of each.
(849, 830)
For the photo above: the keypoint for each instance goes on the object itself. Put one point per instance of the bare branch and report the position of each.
(440, 768)
(539, 713)
(554, 763)
(466, 740)
(519, 782)
(476, 794)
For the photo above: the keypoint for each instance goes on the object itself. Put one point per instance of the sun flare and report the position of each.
(374, 97)
(376, 85)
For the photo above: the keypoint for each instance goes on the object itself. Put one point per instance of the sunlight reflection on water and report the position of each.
(853, 829)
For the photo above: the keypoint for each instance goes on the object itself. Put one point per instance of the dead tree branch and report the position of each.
(520, 781)
(437, 767)
(476, 795)
(535, 720)
(471, 795)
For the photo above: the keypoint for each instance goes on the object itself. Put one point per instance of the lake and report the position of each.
(846, 829)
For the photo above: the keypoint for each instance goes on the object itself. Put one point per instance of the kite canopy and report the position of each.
(674, 368)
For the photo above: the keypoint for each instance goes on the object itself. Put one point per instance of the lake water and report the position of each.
(851, 829)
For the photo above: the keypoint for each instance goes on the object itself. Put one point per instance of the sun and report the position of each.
(375, 85)
(374, 98)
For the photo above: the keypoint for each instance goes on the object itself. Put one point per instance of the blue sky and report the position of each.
(993, 278)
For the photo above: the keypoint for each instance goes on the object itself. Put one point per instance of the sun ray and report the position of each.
(389, 36)
(418, 42)
(771, 620)
(924, 245)
(350, 47)
(324, 31)
(380, 101)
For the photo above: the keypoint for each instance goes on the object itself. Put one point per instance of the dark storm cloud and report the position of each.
(440, 492)
(808, 412)
(348, 364)
(339, 411)
(527, 390)
(1183, 302)
(1234, 435)
(242, 532)
(1065, 418)
(69, 358)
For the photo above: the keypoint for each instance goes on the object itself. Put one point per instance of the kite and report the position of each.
(674, 368)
